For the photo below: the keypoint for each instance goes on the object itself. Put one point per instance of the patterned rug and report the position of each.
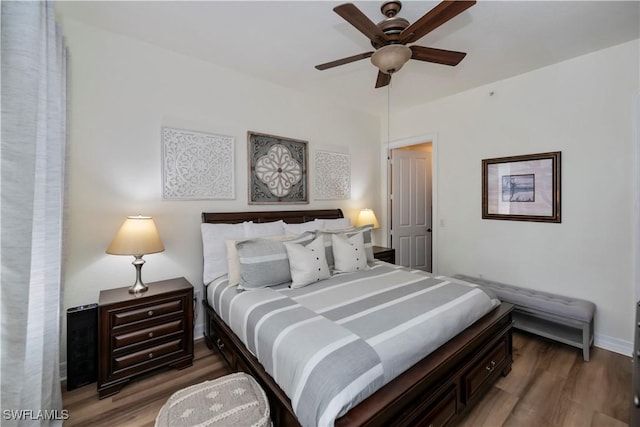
(232, 400)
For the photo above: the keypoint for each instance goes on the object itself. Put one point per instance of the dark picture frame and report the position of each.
(278, 169)
(522, 188)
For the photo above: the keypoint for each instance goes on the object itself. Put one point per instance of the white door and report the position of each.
(411, 206)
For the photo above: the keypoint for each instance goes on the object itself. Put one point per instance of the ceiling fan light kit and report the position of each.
(391, 58)
(391, 36)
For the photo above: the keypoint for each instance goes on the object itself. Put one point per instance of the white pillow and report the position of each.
(316, 224)
(337, 224)
(348, 253)
(308, 264)
(233, 262)
(263, 229)
(214, 251)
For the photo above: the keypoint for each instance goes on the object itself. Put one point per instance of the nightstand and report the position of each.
(139, 333)
(384, 254)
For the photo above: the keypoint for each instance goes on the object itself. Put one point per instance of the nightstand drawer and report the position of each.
(148, 312)
(146, 355)
(122, 340)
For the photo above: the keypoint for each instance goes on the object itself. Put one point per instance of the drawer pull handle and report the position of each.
(490, 367)
(636, 401)
(219, 344)
(150, 312)
(150, 355)
(150, 334)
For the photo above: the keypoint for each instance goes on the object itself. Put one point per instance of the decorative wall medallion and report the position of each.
(197, 165)
(332, 176)
(277, 169)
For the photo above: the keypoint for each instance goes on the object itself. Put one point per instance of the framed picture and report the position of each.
(197, 165)
(332, 176)
(522, 188)
(277, 169)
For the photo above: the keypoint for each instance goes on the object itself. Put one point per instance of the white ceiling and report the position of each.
(281, 41)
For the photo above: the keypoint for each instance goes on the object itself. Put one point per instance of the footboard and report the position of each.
(437, 390)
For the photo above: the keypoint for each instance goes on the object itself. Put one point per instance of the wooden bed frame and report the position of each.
(438, 390)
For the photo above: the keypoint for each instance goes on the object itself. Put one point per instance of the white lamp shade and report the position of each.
(138, 235)
(366, 217)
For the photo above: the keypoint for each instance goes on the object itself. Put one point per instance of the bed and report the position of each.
(402, 387)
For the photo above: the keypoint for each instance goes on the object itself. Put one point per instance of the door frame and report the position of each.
(386, 226)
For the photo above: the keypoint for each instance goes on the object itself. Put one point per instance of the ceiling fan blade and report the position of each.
(433, 19)
(439, 56)
(383, 79)
(344, 61)
(355, 17)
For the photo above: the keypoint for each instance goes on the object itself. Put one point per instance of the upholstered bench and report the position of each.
(564, 319)
(232, 400)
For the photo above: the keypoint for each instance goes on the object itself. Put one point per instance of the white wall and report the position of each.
(122, 92)
(582, 107)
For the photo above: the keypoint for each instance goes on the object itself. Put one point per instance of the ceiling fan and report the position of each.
(390, 37)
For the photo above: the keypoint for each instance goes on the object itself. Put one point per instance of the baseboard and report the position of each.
(198, 331)
(613, 344)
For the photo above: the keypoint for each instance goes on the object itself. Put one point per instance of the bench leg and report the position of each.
(587, 331)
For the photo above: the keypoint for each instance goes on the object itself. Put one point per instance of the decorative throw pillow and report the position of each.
(264, 262)
(233, 262)
(214, 250)
(308, 264)
(348, 253)
(366, 236)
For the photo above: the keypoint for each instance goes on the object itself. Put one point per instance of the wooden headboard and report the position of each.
(290, 217)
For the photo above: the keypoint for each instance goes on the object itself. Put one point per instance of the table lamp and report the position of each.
(137, 236)
(365, 217)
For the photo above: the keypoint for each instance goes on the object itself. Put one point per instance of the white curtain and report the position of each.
(33, 152)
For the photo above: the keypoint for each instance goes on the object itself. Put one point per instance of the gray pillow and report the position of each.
(264, 262)
(366, 236)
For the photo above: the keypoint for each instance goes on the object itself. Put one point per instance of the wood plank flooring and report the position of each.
(549, 386)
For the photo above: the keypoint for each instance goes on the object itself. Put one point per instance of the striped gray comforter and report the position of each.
(332, 344)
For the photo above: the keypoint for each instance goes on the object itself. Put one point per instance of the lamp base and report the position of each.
(138, 286)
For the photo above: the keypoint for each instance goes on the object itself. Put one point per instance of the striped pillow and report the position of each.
(264, 262)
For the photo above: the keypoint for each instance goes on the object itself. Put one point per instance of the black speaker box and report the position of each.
(82, 345)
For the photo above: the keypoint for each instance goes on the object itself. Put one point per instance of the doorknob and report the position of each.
(428, 230)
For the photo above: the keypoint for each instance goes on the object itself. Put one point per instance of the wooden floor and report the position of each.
(549, 385)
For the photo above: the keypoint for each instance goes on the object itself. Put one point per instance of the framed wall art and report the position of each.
(332, 176)
(277, 169)
(522, 188)
(197, 165)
